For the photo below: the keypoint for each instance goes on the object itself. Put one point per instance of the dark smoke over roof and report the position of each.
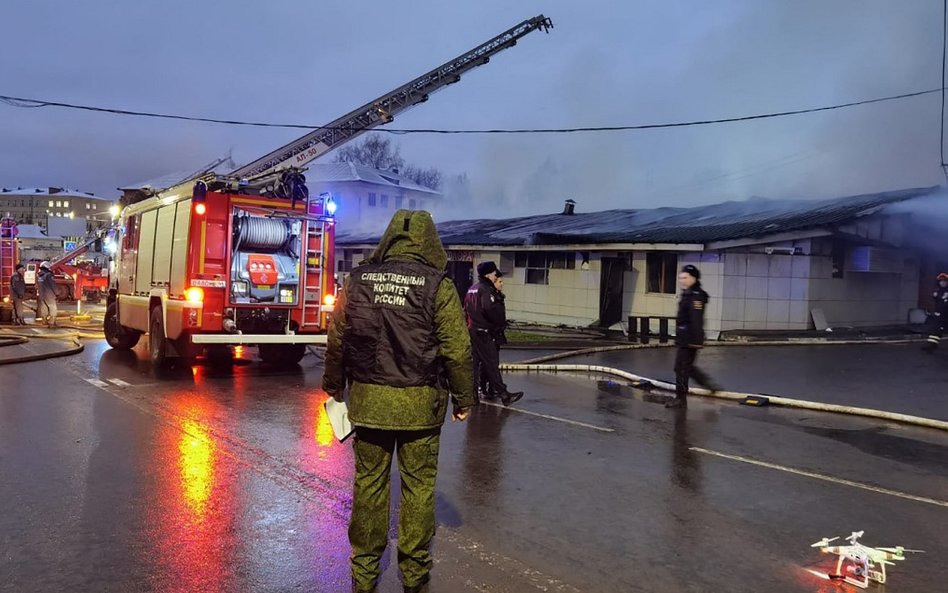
(703, 224)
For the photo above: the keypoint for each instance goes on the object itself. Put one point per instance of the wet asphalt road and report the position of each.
(116, 478)
(892, 377)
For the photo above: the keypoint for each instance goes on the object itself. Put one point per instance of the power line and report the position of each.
(34, 103)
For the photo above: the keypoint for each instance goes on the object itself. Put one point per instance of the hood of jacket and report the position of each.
(411, 236)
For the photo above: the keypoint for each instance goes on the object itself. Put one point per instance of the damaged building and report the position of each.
(768, 264)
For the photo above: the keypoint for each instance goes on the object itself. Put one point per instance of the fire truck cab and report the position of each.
(213, 268)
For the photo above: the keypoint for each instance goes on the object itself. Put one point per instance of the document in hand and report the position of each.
(338, 414)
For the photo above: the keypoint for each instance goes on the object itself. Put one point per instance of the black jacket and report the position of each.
(18, 287)
(690, 323)
(941, 302)
(484, 307)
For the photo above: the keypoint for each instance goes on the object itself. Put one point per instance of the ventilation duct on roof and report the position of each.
(570, 208)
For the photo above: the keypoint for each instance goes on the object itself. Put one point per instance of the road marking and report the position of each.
(548, 417)
(119, 382)
(98, 383)
(823, 477)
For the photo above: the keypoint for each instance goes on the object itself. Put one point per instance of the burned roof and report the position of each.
(756, 217)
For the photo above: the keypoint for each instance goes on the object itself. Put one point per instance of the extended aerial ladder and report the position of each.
(273, 173)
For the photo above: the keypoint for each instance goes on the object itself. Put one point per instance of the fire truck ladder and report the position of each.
(384, 109)
(8, 249)
(378, 112)
(80, 250)
(313, 289)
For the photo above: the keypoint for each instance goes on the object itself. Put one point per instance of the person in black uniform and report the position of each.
(689, 336)
(500, 338)
(936, 323)
(486, 320)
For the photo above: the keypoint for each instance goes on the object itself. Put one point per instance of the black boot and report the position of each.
(511, 397)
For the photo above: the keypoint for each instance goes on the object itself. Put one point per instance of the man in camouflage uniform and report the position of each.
(399, 341)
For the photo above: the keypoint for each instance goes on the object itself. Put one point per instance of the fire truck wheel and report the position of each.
(118, 337)
(63, 293)
(157, 342)
(282, 354)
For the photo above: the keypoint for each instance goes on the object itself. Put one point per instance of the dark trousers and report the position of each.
(685, 369)
(935, 331)
(417, 453)
(487, 360)
(483, 381)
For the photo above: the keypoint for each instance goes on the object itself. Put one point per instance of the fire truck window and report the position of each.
(131, 233)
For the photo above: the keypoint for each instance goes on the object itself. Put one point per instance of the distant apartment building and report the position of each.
(37, 205)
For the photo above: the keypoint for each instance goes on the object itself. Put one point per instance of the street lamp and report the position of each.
(114, 210)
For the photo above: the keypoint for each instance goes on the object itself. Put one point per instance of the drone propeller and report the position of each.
(900, 549)
(824, 542)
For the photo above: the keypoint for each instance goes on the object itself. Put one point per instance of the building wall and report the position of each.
(354, 211)
(778, 292)
(571, 297)
(749, 289)
(861, 299)
(638, 302)
(761, 291)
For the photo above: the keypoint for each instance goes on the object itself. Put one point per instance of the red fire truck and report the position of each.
(247, 257)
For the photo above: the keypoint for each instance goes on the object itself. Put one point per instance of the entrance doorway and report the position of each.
(462, 274)
(611, 287)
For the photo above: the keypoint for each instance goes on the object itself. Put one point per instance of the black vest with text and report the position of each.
(390, 335)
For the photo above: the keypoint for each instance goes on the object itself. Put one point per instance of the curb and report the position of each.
(528, 366)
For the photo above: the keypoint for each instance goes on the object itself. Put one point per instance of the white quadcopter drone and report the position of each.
(859, 564)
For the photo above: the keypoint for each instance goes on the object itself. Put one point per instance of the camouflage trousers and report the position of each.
(417, 453)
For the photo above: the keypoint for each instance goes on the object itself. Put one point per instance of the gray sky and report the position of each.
(607, 62)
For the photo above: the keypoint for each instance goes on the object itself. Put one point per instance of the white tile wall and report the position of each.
(780, 266)
(799, 289)
(735, 264)
(799, 312)
(757, 287)
(758, 265)
(755, 310)
(778, 288)
(778, 313)
(800, 267)
(733, 309)
(734, 287)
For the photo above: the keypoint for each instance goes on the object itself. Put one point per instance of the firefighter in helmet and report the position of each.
(936, 323)
(398, 341)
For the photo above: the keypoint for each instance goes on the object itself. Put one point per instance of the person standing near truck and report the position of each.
(46, 295)
(18, 294)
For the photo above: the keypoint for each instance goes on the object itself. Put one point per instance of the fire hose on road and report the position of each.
(539, 365)
(21, 336)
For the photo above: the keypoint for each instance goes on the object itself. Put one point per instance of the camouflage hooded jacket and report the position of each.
(410, 237)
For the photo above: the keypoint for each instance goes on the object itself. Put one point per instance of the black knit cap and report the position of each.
(693, 271)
